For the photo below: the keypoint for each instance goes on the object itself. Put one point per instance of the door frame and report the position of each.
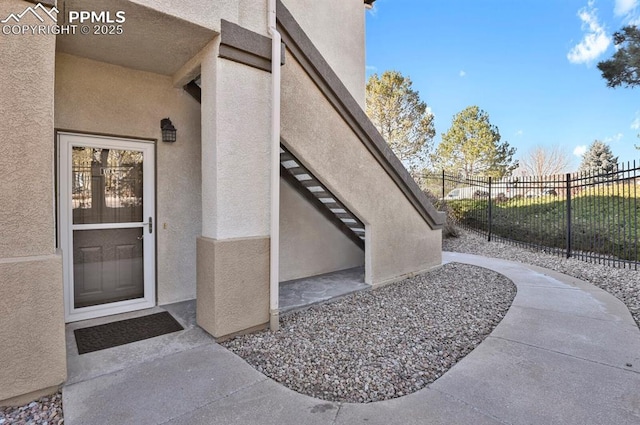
(65, 142)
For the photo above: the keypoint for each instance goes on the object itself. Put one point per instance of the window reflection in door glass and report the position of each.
(106, 185)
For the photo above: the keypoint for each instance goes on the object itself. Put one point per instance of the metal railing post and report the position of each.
(568, 215)
(490, 211)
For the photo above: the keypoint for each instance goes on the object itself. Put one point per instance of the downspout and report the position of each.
(274, 261)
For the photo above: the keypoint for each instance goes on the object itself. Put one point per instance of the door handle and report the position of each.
(150, 223)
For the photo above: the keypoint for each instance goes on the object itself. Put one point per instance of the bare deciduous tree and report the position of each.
(545, 161)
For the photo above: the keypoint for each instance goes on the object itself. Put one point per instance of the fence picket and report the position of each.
(597, 220)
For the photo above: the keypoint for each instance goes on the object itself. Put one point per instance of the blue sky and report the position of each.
(530, 64)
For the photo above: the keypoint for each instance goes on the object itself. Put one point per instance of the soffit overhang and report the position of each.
(150, 41)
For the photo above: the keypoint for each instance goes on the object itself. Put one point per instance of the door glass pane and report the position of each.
(106, 185)
(107, 266)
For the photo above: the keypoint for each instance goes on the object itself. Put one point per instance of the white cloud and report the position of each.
(519, 133)
(462, 74)
(624, 7)
(614, 139)
(595, 41)
(429, 111)
(580, 150)
(635, 125)
(371, 68)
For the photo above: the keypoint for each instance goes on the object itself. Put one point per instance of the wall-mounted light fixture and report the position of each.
(168, 130)
(368, 4)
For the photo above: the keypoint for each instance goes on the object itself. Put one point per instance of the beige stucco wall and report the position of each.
(32, 343)
(236, 102)
(309, 243)
(337, 29)
(96, 97)
(251, 14)
(26, 146)
(32, 348)
(398, 241)
(233, 252)
(233, 285)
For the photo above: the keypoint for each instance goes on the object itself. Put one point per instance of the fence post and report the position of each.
(443, 194)
(490, 211)
(568, 215)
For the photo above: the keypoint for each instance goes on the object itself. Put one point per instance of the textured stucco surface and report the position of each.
(398, 241)
(236, 106)
(337, 29)
(150, 40)
(233, 284)
(250, 14)
(96, 97)
(32, 344)
(26, 140)
(233, 252)
(309, 243)
(32, 350)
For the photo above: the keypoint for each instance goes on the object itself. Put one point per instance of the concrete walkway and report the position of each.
(565, 353)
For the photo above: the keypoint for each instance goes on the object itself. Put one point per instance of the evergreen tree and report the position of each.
(598, 159)
(623, 69)
(472, 146)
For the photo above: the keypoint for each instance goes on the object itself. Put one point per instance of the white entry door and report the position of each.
(106, 221)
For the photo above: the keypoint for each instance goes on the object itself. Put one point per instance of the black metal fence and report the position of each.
(593, 216)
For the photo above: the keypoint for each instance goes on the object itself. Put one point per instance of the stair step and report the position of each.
(303, 177)
(290, 164)
(343, 218)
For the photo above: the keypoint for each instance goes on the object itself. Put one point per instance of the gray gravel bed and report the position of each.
(624, 284)
(45, 411)
(384, 343)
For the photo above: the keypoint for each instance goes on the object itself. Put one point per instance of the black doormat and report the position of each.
(123, 332)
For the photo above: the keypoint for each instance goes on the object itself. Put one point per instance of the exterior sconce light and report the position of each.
(368, 4)
(168, 131)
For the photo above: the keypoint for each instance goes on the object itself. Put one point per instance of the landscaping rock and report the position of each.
(385, 343)
(45, 411)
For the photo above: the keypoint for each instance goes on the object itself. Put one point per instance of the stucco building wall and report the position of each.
(398, 240)
(236, 107)
(309, 243)
(250, 14)
(32, 347)
(233, 252)
(337, 29)
(96, 97)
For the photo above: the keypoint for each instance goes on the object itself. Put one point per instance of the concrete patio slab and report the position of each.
(267, 403)
(569, 301)
(302, 293)
(573, 338)
(91, 365)
(426, 407)
(565, 353)
(521, 384)
(156, 391)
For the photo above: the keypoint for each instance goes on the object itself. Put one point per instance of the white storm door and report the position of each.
(106, 222)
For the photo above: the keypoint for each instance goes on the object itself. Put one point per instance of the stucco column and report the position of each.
(233, 252)
(32, 341)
